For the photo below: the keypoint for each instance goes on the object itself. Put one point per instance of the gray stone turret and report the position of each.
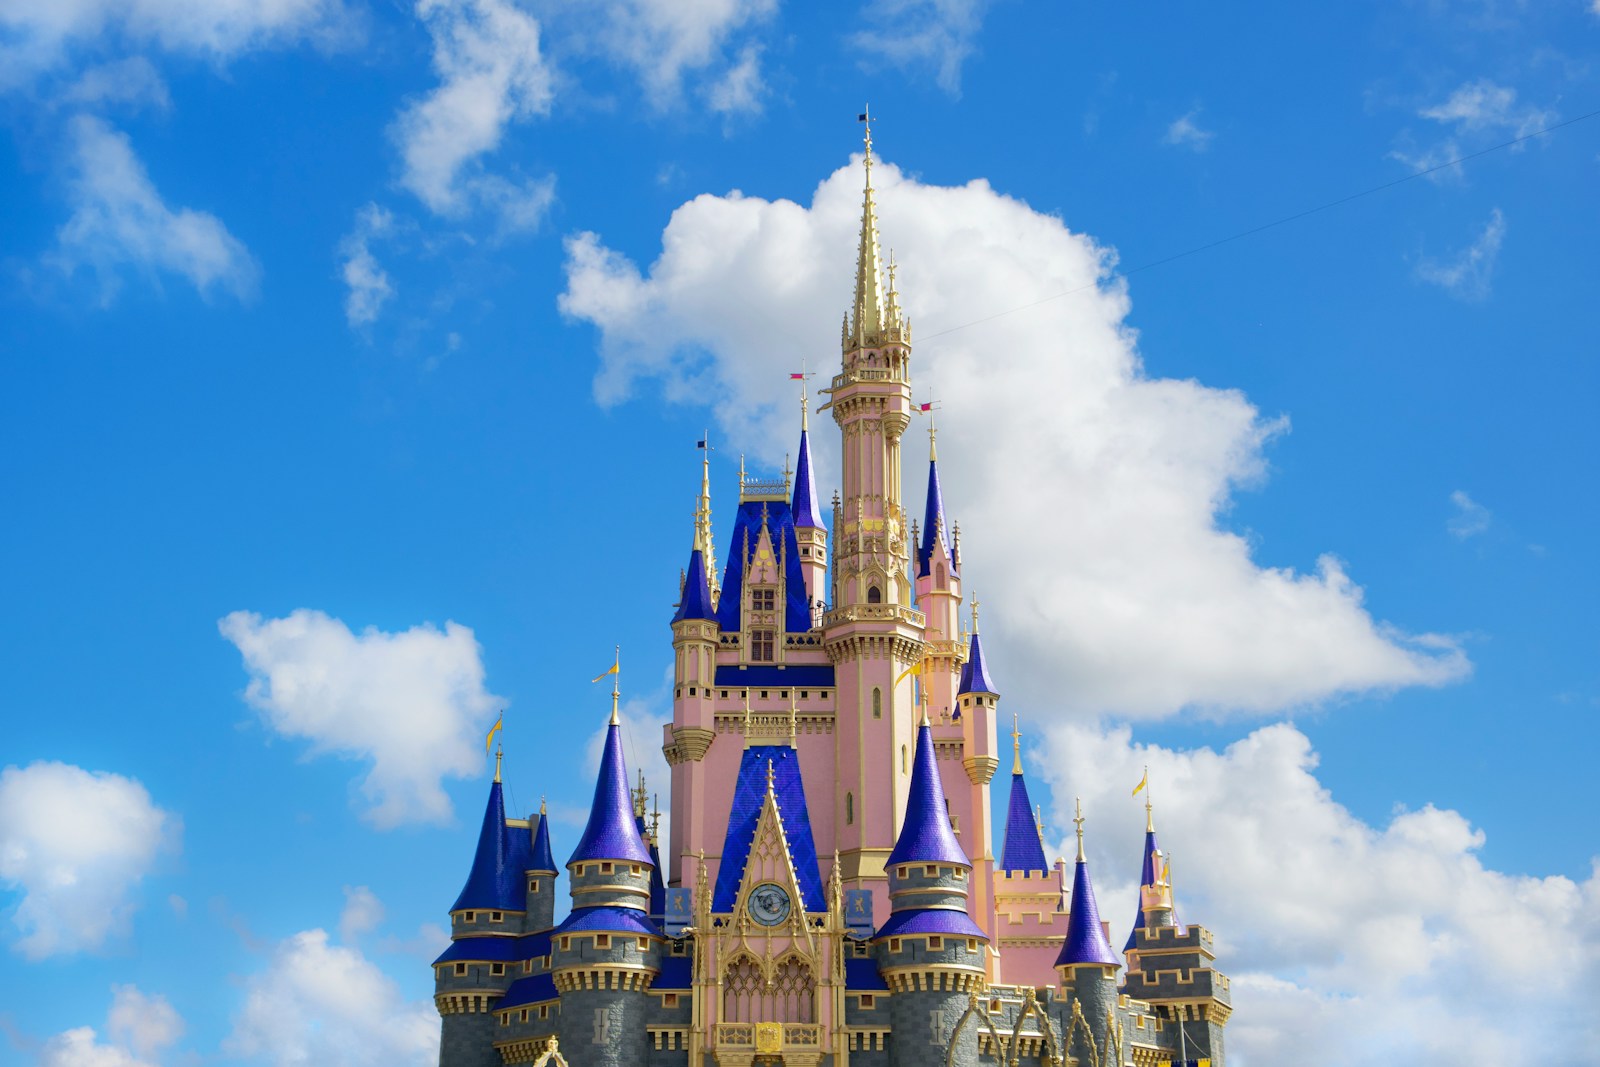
(541, 876)
(930, 952)
(607, 952)
(1088, 970)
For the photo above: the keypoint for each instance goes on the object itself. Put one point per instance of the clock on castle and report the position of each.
(831, 894)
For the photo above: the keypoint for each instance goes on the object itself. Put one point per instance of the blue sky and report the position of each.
(353, 358)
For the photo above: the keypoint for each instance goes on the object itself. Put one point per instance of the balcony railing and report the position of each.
(764, 1038)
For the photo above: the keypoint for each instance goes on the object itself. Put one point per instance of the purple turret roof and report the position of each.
(1147, 876)
(543, 857)
(611, 833)
(925, 836)
(494, 882)
(975, 673)
(1086, 938)
(806, 512)
(695, 603)
(933, 524)
(1022, 850)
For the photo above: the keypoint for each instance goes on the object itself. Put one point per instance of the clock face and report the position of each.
(769, 904)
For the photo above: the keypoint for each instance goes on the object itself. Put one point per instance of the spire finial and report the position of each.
(747, 741)
(868, 307)
(639, 795)
(974, 611)
(769, 777)
(1149, 806)
(497, 751)
(616, 691)
(655, 817)
(541, 805)
(1078, 822)
(1016, 746)
(792, 719)
(933, 439)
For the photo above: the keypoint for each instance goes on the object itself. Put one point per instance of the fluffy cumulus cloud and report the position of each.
(668, 44)
(366, 282)
(1347, 942)
(1116, 480)
(120, 223)
(411, 704)
(935, 36)
(317, 1002)
(492, 73)
(1469, 274)
(139, 1026)
(39, 36)
(74, 844)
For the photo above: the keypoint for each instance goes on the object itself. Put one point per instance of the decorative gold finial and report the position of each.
(974, 611)
(655, 817)
(1016, 746)
(769, 776)
(925, 721)
(616, 690)
(541, 804)
(793, 716)
(497, 751)
(933, 440)
(747, 729)
(1078, 821)
(639, 795)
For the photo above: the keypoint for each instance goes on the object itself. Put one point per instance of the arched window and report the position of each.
(941, 581)
(874, 595)
(903, 763)
(877, 703)
(849, 809)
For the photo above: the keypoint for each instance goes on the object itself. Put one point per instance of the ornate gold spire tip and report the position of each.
(1078, 822)
(497, 751)
(1016, 746)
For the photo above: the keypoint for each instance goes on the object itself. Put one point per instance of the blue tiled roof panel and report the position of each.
(608, 919)
(863, 975)
(1022, 850)
(676, 973)
(543, 858)
(933, 524)
(806, 512)
(749, 793)
(534, 989)
(490, 949)
(773, 675)
(1147, 876)
(493, 883)
(747, 532)
(695, 603)
(1086, 938)
(931, 921)
(975, 673)
(925, 835)
(611, 833)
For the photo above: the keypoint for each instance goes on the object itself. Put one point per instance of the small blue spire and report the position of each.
(925, 836)
(1146, 877)
(611, 833)
(934, 529)
(543, 858)
(696, 600)
(1022, 850)
(493, 883)
(806, 512)
(974, 673)
(1086, 938)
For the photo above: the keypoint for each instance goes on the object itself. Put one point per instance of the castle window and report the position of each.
(930, 871)
(972, 944)
(634, 868)
(874, 595)
(894, 944)
(935, 943)
(941, 580)
(497, 970)
(497, 916)
(605, 868)
(670, 1000)
(602, 940)
(544, 1011)
(691, 690)
(868, 1001)
(903, 872)
(461, 970)
(724, 694)
(469, 916)
(849, 809)
(522, 1016)
(761, 646)
(764, 695)
(763, 599)
(877, 703)
(805, 694)
(566, 943)
(533, 885)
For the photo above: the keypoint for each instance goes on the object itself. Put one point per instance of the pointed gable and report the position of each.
(493, 882)
(747, 529)
(1022, 850)
(925, 835)
(695, 602)
(611, 833)
(749, 796)
(807, 514)
(935, 533)
(975, 672)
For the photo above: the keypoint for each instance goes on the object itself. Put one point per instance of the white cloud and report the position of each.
(665, 42)
(134, 82)
(1347, 942)
(491, 73)
(40, 35)
(120, 221)
(362, 914)
(1090, 515)
(147, 1024)
(75, 843)
(923, 34)
(1186, 132)
(1471, 518)
(1469, 273)
(412, 703)
(322, 1003)
(739, 91)
(368, 283)
(1479, 107)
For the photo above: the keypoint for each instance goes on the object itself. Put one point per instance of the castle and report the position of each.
(830, 894)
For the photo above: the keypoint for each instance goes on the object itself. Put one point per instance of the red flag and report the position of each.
(798, 377)
(924, 407)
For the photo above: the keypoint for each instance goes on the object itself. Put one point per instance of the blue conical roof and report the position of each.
(1022, 850)
(543, 858)
(493, 883)
(926, 836)
(696, 600)
(934, 530)
(974, 673)
(611, 833)
(1146, 877)
(806, 512)
(1086, 938)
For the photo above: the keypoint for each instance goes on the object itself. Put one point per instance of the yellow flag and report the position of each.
(605, 673)
(488, 742)
(914, 669)
(1142, 782)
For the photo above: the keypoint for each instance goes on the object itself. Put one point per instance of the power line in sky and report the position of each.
(1197, 249)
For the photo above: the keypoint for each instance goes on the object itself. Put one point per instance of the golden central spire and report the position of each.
(1016, 746)
(1078, 820)
(868, 307)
